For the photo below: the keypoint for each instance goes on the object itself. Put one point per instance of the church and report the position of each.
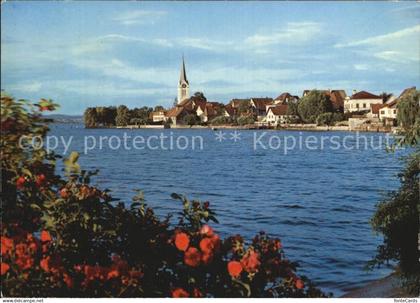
(183, 85)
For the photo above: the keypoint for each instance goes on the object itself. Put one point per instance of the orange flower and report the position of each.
(113, 274)
(180, 293)
(25, 262)
(206, 230)
(182, 241)
(21, 249)
(299, 284)
(45, 236)
(192, 257)
(206, 245)
(234, 268)
(64, 193)
(45, 264)
(6, 245)
(4, 268)
(250, 261)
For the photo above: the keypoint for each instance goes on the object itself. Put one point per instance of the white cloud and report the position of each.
(139, 17)
(206, 44)
(361, 66)
(293, 33)
(26, 87)
(401, 46)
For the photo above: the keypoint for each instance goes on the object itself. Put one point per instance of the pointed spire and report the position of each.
(183, 75)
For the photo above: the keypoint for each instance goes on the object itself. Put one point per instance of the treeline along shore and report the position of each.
(316, 110)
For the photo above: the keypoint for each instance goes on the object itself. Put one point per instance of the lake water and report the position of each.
(318, 202)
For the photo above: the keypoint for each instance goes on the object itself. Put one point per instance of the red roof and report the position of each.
(375, 108)
(174, 112)
(365, 95)
(279, 110)
(261, 103)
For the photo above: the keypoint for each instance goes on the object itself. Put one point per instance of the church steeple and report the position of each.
(183, 75)
(183, 85)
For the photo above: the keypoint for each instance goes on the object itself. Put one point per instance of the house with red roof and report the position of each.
(361, 102)
(285, 98)
(388, 111)
(278, 114)
(259, 106)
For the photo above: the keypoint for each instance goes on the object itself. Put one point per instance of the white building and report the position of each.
(158, 116)
(361, 101)
(183, 84)
(277, 114)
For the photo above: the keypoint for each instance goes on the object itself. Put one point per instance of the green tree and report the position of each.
(397, 217)
(90, 117)
(108, 116)
(191, 119)
(329, 118)
(199, 95)
(159, 108)
(245, 120)
(123, 116)
(243, 108)
(408, 117)
(314, 104)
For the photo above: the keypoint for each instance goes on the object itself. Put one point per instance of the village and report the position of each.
(330, 109)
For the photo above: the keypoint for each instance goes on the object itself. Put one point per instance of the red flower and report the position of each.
(68, 280)
(21, 249)
(113, 274)
(234, 268)
(250, 261)
(192, 257)
(25, 262)
(4, 268)
(44, 108)
(206, 245)
(6, 245)
(299, 284)
(20, 182)
(45, 236)
(197, 293)
(40, 180)
(182, 241)
(206, 230)
(206, 258)
(45, 264)
(180, 293)
(64, 193)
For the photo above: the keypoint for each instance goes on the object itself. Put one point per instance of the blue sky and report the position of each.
(109, 53)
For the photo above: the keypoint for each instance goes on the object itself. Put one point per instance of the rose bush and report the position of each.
(61, 236)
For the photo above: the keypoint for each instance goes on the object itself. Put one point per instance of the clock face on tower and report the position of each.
(184, 86)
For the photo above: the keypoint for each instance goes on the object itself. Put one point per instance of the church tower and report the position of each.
(183, 85)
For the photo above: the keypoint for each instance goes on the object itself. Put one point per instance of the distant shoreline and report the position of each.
(295, 127)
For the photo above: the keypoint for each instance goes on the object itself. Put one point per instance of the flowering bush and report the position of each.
(61, 236)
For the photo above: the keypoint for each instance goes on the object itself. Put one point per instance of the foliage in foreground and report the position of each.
(64, 237)
(398, 216)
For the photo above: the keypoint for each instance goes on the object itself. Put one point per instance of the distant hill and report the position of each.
(57, 118)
